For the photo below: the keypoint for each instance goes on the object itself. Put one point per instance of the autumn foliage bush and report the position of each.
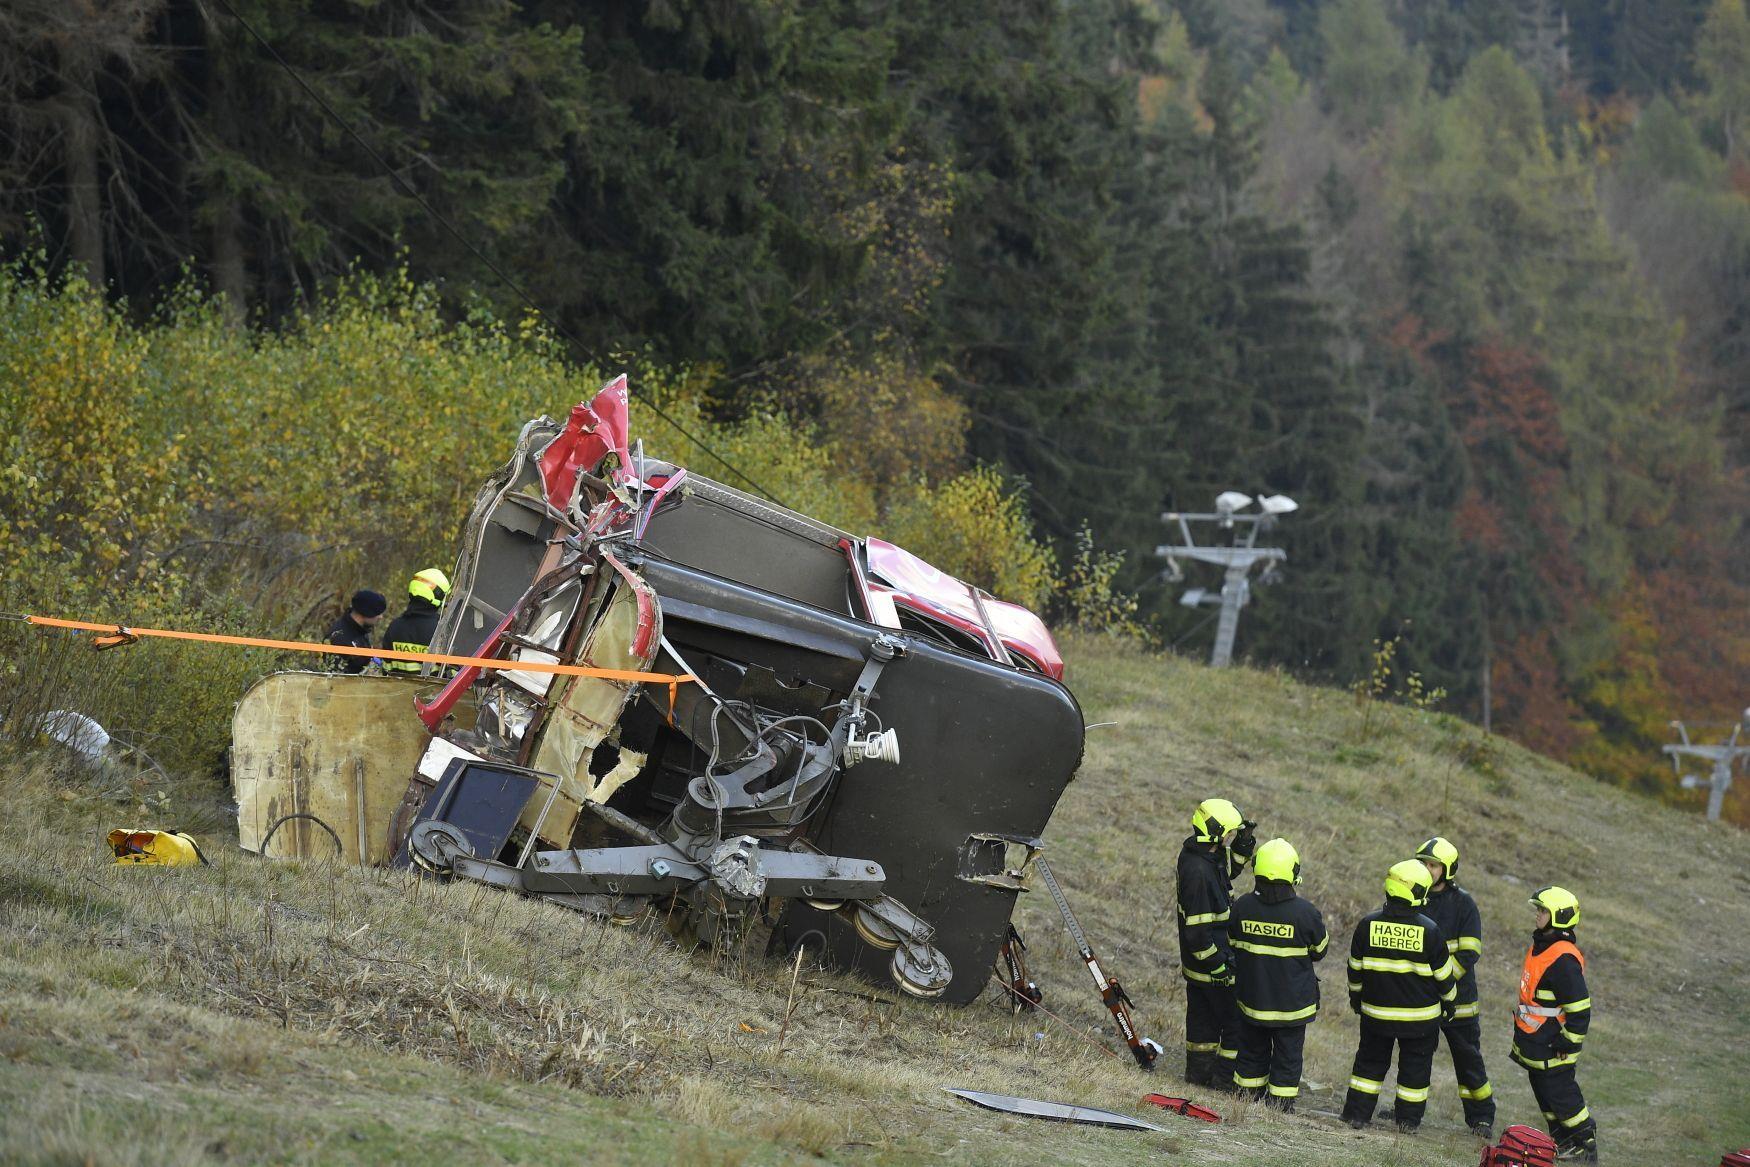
(183, 472)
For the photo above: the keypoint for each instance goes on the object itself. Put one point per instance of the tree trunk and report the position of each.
(230, 274)
(1488, 677)
(229, 268)
(79, 141)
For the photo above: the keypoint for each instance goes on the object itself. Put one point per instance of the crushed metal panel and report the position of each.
(588, 710)
(338, 746)
(498, 555)
(1054, 1111)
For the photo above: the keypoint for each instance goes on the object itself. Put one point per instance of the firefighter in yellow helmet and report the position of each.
(1452, 908)
(1221, 844)
(1402, 984)
(1276, 937)
(1551, 1020)
(413, 629)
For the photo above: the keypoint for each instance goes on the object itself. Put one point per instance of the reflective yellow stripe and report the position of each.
(1192, 974)
(1324, 943)
(1576, 1038)
(1469, 1010)
(1354, 986)
(1391, 1013)
(1222, 1052)
(1205, 918)
(1411, 1094)
(1545, 995)
(1284, 1091)
(1580, 1006)
(1269, 949)
(1585, 1113)
(1546, 1063)
(1200, 1047)
(1276, 1015)
(1366, 1085)
(1205, 954)
(1355, 963)
(1467, 944)
(1477, 1095)
(1389, 964)
(1250, 1083)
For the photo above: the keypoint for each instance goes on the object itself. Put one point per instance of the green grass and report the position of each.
(253, 1012)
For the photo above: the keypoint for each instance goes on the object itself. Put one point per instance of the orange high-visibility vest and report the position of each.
(1529, 1016)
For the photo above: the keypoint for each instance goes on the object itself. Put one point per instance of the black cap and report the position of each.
(368, 603)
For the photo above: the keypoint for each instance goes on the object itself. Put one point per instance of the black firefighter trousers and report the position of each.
(1464, 1038)
(1212, 1026)
(1269, 1062)
(1373, 1060)
(1564, 1107)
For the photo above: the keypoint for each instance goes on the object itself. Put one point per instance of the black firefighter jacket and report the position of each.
(1276, 936)
(1205, 891)
(1400, 974)
(411, 632)
(350, 633)
(1455, 913)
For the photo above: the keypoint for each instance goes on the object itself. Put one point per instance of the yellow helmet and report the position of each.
(1562, 905)
(1277, 859)
(1441, 851)
(1213, 818)
(431, 584)
(1409, 881)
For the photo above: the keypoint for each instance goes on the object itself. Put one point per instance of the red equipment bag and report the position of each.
(1736, 1158)
(1521, 1146)
(1182, 1106)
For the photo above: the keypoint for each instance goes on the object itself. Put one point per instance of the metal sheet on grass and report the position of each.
(1054, 1111)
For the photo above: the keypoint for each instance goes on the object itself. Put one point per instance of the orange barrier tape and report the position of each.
(109, 633)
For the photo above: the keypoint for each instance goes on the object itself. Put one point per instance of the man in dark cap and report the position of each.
(353, 630)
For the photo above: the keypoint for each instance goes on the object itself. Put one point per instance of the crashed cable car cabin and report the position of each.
(864, 754)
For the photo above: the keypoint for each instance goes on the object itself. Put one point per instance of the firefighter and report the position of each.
(1221, 843)
(1403, 985)
(1276, 936)
(413, 629)
(353, 629)
(1455, 912)
(1550, 1023)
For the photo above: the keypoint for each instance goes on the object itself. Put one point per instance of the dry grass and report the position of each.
(308, 1013)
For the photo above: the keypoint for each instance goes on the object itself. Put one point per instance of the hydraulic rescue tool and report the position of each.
(1145, 1050)
(1182, 1106)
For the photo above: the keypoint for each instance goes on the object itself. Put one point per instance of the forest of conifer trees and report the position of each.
(1469, 280)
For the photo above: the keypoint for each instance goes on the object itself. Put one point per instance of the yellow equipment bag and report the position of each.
(163, 848)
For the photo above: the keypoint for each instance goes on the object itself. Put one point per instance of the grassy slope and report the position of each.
(303, 1013)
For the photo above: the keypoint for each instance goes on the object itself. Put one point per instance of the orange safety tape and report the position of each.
(527, 666)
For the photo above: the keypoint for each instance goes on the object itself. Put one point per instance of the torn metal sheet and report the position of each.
(335, 745)
(1054, 1111)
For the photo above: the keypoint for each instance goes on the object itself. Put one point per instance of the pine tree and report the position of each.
(1040, 307)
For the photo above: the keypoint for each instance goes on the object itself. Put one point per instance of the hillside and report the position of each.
(304, 1013)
